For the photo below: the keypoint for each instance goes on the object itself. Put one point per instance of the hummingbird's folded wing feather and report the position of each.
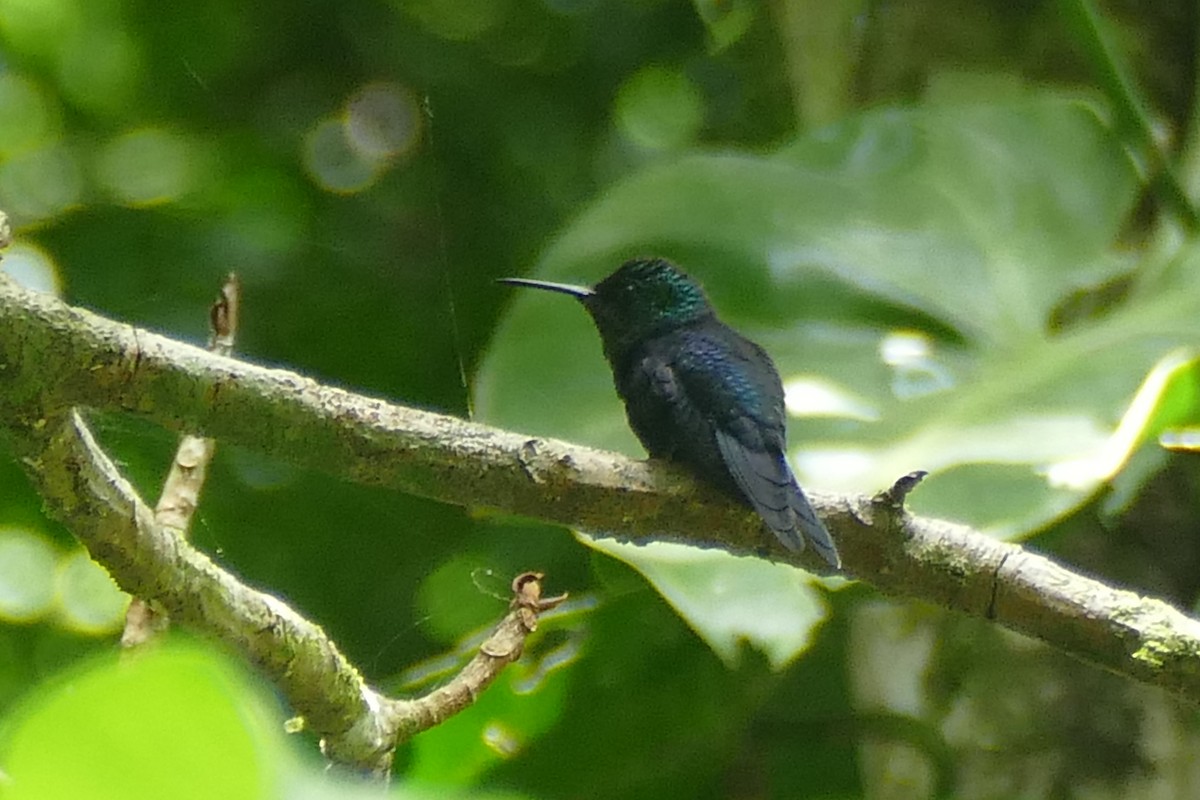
(767, 481)
(748, 424)
(814, 530)
(706, 390)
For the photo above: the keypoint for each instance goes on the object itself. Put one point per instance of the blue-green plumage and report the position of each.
(699, 393)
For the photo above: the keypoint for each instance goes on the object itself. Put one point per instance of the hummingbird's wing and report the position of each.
(744, 399)
(814, 530)
(765, 483)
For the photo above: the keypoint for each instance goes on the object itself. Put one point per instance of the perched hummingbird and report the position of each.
(697, 392)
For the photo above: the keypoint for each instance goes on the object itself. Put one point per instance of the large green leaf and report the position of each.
(912, 273)
(771, 605)
(174, 723)
(179, 722)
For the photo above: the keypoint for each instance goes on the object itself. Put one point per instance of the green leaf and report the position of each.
(171, 722)
(727, 22)
(1168, 397)
(981, 216)
(772, 605)
(918, 276)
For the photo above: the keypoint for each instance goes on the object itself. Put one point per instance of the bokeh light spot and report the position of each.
(915, 369)
(816, 396)
(659, 108)
(38, 27)
(27, 563)
(41, 183)
(458, 20)
(562, 656)
(148, 167)
(501, 740)
(382, 121)
(88, 599)
(27, 119)
(101, 70)
(333, 162)
(32, 268)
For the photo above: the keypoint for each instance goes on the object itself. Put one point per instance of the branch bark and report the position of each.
(185, 479)
(54, 357)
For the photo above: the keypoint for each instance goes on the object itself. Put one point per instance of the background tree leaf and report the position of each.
(937, 236)
(771, 606)
(948, 222)
(113, 731)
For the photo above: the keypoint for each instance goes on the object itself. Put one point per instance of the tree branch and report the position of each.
(500, 649)
(181, 489)
(81, 484)
(53, 357)
(357, 725)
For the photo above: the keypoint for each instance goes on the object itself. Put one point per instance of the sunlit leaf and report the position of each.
(1169, 395)
(176, 723)
(771, 605)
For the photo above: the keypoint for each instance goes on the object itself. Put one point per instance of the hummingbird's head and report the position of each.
(645, 297)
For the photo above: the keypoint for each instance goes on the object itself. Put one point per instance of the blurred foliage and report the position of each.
(946, 221)
(104, 715)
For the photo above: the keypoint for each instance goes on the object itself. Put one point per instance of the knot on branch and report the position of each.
(528, 601)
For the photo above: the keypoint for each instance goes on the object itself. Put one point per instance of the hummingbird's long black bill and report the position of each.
(578, 292)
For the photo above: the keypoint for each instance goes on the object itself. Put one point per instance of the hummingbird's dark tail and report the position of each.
(813, 529)
(767, 483)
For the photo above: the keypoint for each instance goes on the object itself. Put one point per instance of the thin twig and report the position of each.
(189, 469)
(501, 648)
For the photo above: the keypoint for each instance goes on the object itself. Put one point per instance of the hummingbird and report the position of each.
(697, 392)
